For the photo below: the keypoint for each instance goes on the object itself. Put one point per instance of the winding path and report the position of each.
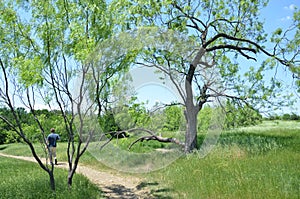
(113, 185)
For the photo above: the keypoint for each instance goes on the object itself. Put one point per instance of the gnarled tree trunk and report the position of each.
(191, 110)
(191, 129)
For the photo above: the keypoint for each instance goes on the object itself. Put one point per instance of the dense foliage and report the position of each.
(49, 119)
(285, 116)
(168, 119)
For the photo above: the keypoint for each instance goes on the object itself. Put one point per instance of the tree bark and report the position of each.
(191, 129)
(191, 110)
(52, 181)
(70, 179)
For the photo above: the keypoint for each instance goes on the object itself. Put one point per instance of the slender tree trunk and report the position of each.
(70, 179)
(52, 180)
(70, 175)
(72, 171)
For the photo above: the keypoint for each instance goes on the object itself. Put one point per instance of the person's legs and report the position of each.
(51, 154)
(54, 154)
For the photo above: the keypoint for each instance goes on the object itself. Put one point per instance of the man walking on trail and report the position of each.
(51, 141)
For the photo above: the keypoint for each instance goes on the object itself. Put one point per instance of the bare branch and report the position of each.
(282, 61)
(157, 138)
(152, 136)
(165, 105)
(237, 48)
(193, 19)
(167, 72)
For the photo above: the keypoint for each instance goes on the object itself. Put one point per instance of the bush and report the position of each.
(3, 136)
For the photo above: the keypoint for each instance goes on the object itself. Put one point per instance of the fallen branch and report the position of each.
(157, 138)
(113, 134)
(152, 136)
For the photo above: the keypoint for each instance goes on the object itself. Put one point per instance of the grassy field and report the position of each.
(230, 173)
(253, 162)
(21, 179)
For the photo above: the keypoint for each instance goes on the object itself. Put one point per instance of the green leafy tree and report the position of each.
(204, 118)
(46, 48)
(131, 115)
(286, 116)
(238, 115)
(210, 41)
(18, 65)
(108, 122)
(68, 33)
(294, 116)
(173, 118)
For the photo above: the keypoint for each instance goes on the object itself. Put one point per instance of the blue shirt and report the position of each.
(52, 138)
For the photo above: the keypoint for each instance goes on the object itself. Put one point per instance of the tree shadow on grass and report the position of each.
(146, 184)
(156, 190)
(145, 190)
(2, 147)
(162, 193)
(61, 164)
(119, 191)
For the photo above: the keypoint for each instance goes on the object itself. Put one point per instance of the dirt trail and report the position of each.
(113, 185)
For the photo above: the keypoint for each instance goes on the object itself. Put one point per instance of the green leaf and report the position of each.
(278, 31)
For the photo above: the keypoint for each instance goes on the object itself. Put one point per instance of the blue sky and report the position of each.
(279, 13)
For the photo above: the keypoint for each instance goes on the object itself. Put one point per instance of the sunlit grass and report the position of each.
(230, 173)
(22, 179)
(253, 162)
(276, 125)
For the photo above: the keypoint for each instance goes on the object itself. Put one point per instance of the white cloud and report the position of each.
(287, 18)
(290, 7)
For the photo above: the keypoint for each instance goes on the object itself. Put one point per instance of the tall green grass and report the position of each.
(228, 173)
(21, 179)
(254, 162)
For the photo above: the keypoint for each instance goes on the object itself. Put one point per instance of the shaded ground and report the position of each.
(113, 185)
